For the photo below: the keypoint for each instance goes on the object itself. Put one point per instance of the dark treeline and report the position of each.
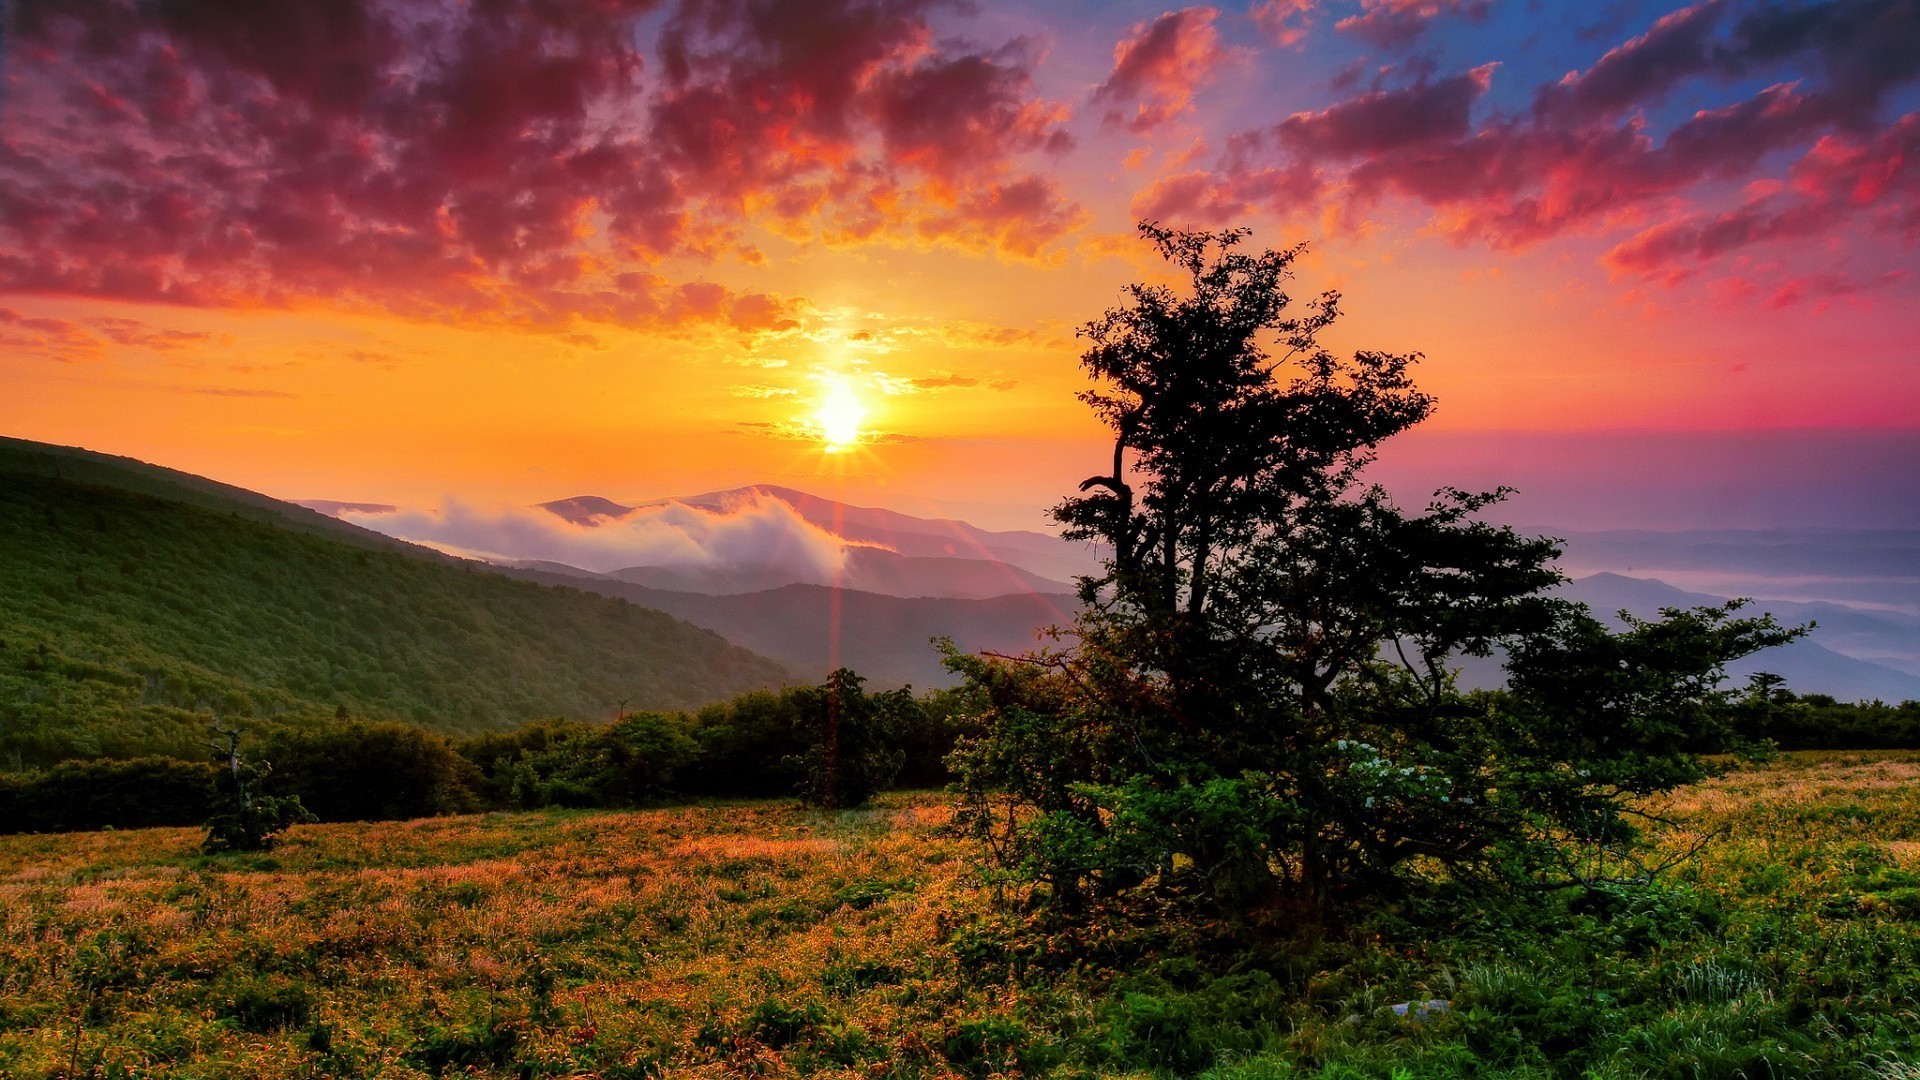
(1819, 722)
(757, 745)
(764, 744)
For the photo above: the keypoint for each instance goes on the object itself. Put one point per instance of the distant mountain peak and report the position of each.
(587, 509)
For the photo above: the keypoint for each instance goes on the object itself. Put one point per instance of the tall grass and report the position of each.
(762, 939)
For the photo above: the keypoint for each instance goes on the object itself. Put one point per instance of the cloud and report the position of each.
(762, 391)
(754, 532)
(1158, 66)
(234, 391)
(1283, 22)
(87, 339)
(799, 431)
(776, 103)
(1386, 120)
(1596, 152)
(939, 380)
(1840, 179)
(520, 162)
(958, 117)
(1398, 24)
(1020, 218)
(133, 332)
(1827, 285)
(1642, 70)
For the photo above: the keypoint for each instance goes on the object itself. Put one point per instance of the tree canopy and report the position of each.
(1257, 701)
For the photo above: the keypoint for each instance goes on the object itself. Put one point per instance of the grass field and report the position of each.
(763, 939)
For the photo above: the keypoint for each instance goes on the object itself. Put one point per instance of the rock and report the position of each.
(1419, 1012)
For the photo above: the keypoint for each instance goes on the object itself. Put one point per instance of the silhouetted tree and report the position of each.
(1259, 698)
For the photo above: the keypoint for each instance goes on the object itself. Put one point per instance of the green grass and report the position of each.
(762, 939)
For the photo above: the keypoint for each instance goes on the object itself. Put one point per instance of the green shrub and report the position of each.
(80, 795)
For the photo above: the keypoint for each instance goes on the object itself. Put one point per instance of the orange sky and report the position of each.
(569, 260)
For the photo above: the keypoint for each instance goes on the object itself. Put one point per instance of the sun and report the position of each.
(839, 416)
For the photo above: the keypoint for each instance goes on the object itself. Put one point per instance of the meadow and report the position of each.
(770, 940)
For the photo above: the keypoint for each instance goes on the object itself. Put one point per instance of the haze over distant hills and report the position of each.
(1867, 569)
(1041, 561)
(1851, 654)
(806, 581)
(902, 578)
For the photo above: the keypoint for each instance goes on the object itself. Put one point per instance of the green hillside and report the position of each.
(133, 606)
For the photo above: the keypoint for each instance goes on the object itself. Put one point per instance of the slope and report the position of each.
(814, 628)
(133, 606)
(873, 570)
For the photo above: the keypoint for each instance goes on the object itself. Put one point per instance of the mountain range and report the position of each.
(903, 592)
(135, 599)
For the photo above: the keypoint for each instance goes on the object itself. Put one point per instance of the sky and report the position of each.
(1658, 259)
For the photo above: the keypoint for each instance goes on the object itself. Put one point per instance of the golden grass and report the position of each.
(666, 942)
(600, 941)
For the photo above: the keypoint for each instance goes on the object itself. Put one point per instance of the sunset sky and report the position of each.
(1660, 260)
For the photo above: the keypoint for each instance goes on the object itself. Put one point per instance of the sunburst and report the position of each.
(839, 415)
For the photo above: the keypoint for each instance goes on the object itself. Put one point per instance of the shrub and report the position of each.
(79, 795)
(246, 816)
(375, 772)
(850, 739)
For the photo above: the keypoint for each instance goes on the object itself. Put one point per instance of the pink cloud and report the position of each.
(1587, 158)
(1839, 179)
(956, 117)
(1387, 120)
(516, 161)
(1644, 69)
(1397, 24)
(1283, 22)
(1158, 67)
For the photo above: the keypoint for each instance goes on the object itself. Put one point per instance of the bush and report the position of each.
(82, 795)
(633, 762)
(246, 816)
(850, 739)
(375, 772)
(748, 747)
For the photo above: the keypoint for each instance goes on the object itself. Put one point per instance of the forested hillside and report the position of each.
(127, 617)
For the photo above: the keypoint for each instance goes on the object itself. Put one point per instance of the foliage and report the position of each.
(773, 940)
(127, 616)
(1258, 707)
(752, 747)
(246, 816)
(632, 762)
(374, 772)
(77, 795)
(749, 746)
(1769, 712)
(851, 739)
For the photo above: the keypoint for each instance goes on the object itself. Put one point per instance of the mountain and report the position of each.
(815, 628)
(71, 464)
(967, 553)
(1810, 666)
(1869, 569)
(1853, 652)
(136, 601)
(868, 569)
